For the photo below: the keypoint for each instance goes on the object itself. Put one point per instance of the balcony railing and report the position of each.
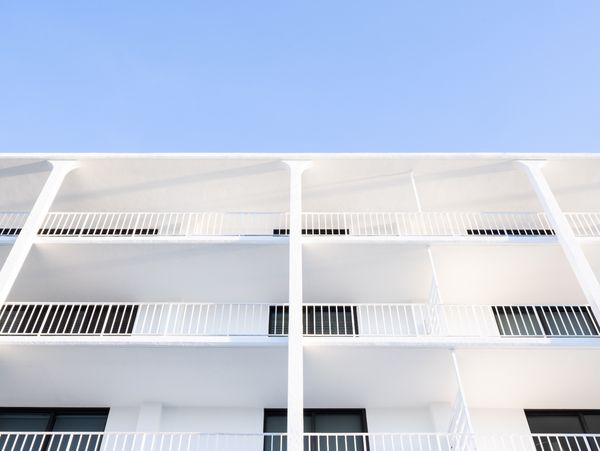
(184, 441)
(11, 222)
(448, 442)
(139, 441)
(137, 319)
(360, 224)
(319, 320)
(114, 224)
(406, 224)
(446, 320)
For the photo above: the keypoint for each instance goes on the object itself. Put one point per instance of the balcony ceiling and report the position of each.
(121, 376)
(154, 273)
(377, 377)
(512, 274)
(531, 379)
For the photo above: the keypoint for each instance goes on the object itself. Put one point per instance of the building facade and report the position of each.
(300, 302)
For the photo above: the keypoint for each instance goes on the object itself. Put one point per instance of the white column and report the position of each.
(435, 295)
(461, 395)
(577, 259)
(295, 404)
(20, 249)
(149, 417)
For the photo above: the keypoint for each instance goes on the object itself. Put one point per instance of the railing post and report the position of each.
(295, 411)
(564, 233)
(20, 249)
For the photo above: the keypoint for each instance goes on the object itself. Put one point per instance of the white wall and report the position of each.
(191, 419)
(122, 419)
(212, 419)
(488, 423)
(409, 419)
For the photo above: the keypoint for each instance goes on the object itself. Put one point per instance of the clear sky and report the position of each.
(323, 75)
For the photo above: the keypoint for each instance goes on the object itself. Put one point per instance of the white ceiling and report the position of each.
(443, 185)
(531, 378)
(119, 375)
(358, 272)
(156, 272)
(175, 185)
(512, 274)
(377, 376)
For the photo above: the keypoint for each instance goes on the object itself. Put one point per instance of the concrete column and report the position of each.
(461, 393)
(149, 417)
(568, 242)
(295, 407)
(437, 296)
(20, 249)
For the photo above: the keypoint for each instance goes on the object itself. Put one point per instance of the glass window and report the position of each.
(326, 421)
(316, 320)
(558, 321)
(563, 422)
(52, 420)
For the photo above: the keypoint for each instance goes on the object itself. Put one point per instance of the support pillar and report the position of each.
(20, 249)
(149, 417)
(435, 296)
(461, 417)
(566, 238)
(295, 403)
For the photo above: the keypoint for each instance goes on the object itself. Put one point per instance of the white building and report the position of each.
(403, 302)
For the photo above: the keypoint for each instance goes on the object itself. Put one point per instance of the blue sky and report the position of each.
(326, 75)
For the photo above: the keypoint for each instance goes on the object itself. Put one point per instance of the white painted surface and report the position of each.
(212, 419)
(122, 419)
(154, 273)
(149, 417)
(411, 419)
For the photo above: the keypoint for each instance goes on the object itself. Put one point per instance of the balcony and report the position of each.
(364, 322)
(399, 224)
(191, 441)
(140, 441)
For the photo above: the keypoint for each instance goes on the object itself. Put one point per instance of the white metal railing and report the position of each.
(426, 224)
(584, 224)
(447, 320)
(191, 441)
(11, 222)
(140, 441)
(448, 442)
(88, 224)
(319, 320)
(141, 319)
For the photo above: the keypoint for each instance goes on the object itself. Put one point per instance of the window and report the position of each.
(564, 422)
(316, 319)
(67, 319)
(511, 232)
(326, 421)
(69, 421)
(558, 321)
(336, 231)
(97, 232)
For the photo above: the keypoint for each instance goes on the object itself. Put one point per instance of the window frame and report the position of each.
(53, 412)
(580, 414)
(308, 411)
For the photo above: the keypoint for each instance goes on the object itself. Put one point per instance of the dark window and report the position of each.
(559, 321)
(510, 232)
(316, 320)
(68, 421)
(9, 231)
(326, 421)
(67, 319)
(336, 231)
(97, 232)
(548, 422)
